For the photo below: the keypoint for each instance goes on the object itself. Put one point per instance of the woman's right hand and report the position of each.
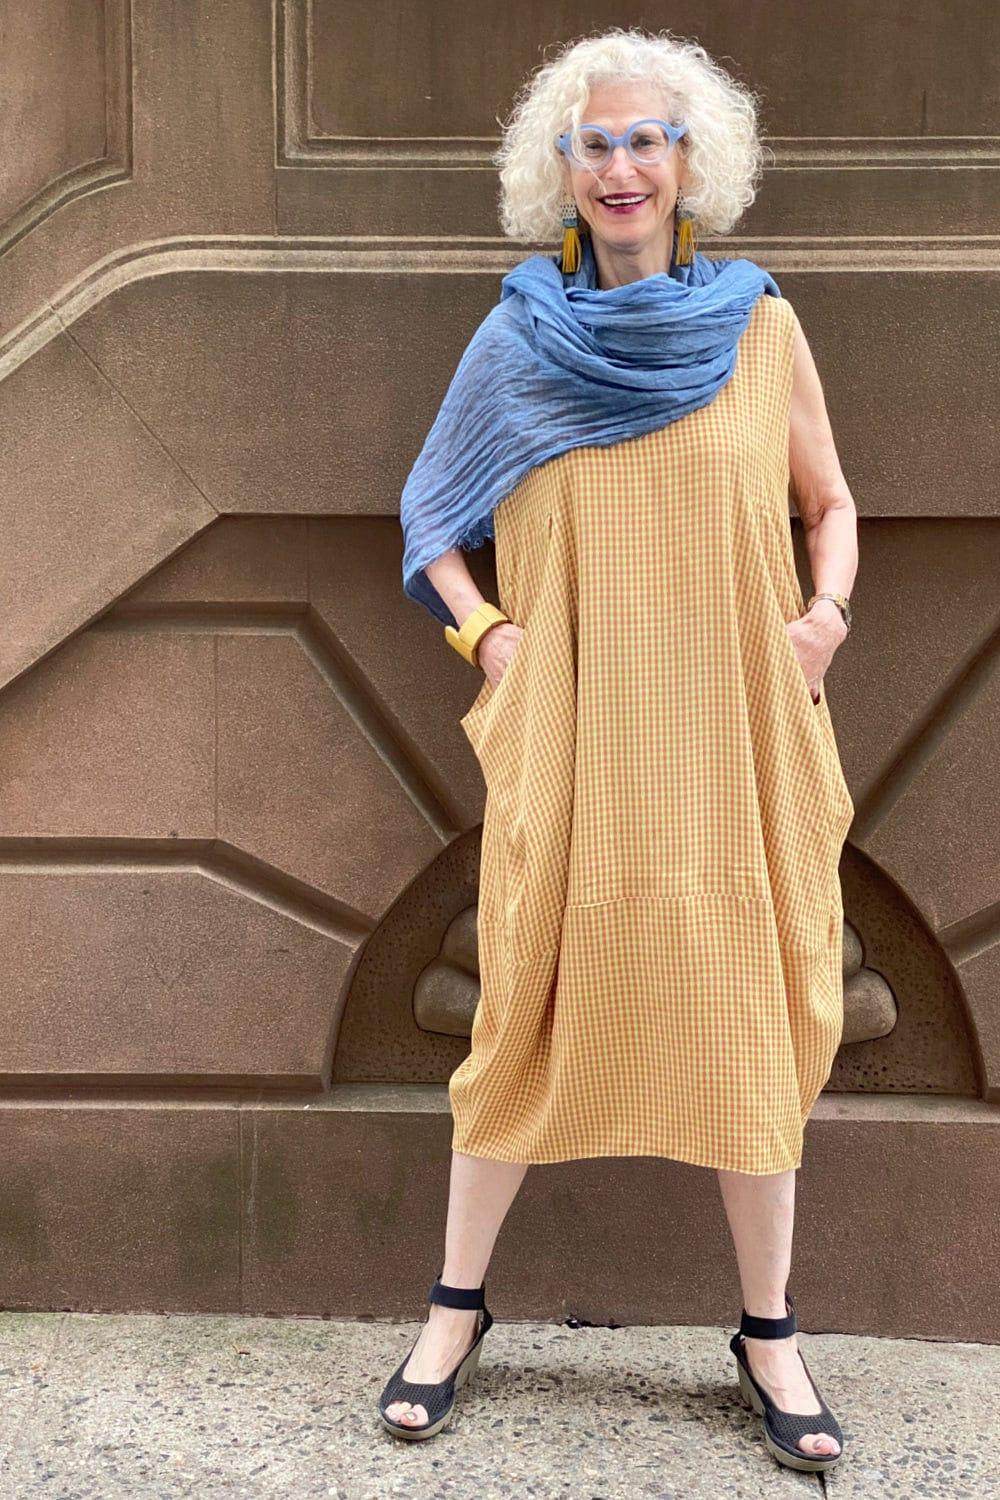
(496, 648)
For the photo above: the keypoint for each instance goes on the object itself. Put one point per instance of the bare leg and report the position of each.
(479, 1195)
(761, 1213)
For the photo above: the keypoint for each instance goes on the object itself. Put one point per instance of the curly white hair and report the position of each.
(723, 150)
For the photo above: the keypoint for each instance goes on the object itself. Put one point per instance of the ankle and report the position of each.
(767, 1307)
(466, 1277)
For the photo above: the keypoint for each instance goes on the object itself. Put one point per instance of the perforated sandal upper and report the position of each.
(785, 1427)
(435, 1398)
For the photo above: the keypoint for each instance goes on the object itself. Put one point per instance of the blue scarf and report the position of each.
(560, 364)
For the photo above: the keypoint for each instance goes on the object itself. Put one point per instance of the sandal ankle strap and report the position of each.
(468, 1297)
(769, 1328)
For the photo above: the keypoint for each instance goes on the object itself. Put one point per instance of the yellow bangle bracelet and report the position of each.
(474, 627)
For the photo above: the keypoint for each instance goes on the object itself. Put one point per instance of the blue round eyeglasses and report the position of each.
(647, 141)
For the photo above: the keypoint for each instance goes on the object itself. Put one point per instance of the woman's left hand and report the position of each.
(815, 636)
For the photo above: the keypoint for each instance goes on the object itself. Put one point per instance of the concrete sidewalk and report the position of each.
(146, 1405)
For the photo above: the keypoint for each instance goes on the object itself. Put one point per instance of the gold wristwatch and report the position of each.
(474, 627)
(840, 600)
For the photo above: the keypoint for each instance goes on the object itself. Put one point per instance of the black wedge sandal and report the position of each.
(782, 1429)
(437, 1400)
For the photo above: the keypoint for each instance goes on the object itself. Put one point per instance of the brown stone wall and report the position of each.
(241, 250)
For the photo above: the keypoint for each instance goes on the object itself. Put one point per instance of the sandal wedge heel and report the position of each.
(782, 1429)
(438, 1400)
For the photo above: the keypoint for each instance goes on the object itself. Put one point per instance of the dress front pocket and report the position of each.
(813, 703)
(815, 717)
(494, 727)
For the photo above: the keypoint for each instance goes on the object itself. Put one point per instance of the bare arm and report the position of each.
(826, 506)
(450, 575)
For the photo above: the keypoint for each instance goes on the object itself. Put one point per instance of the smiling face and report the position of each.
(647, 228)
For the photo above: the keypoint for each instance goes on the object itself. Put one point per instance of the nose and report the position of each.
(620, 169)
(619, 157)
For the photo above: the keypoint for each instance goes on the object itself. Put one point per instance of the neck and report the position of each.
(617, 266)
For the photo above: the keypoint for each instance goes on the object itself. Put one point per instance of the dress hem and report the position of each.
(577, 1155)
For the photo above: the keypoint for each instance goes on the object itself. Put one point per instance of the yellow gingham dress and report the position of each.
(659, 904)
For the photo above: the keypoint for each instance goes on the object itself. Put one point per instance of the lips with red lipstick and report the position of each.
(623, 203)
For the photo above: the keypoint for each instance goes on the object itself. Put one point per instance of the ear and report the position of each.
(683, 169)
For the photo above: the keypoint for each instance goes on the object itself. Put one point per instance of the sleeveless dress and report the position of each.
(659, 923)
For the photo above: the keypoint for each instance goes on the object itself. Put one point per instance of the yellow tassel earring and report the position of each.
(571, 237)
(686, 242)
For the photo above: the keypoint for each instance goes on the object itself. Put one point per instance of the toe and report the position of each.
(820, 1443)
(403, 1412)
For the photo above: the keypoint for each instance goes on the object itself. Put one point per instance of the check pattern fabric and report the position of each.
(660, 910)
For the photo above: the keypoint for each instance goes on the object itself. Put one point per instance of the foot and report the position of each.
(446, 1336)
(777, 1365)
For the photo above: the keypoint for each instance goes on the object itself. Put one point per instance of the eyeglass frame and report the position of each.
(674, 133)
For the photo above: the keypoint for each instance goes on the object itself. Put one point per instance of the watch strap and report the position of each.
(840, 600)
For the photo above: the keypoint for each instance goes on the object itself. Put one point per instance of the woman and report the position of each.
(660, 913)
